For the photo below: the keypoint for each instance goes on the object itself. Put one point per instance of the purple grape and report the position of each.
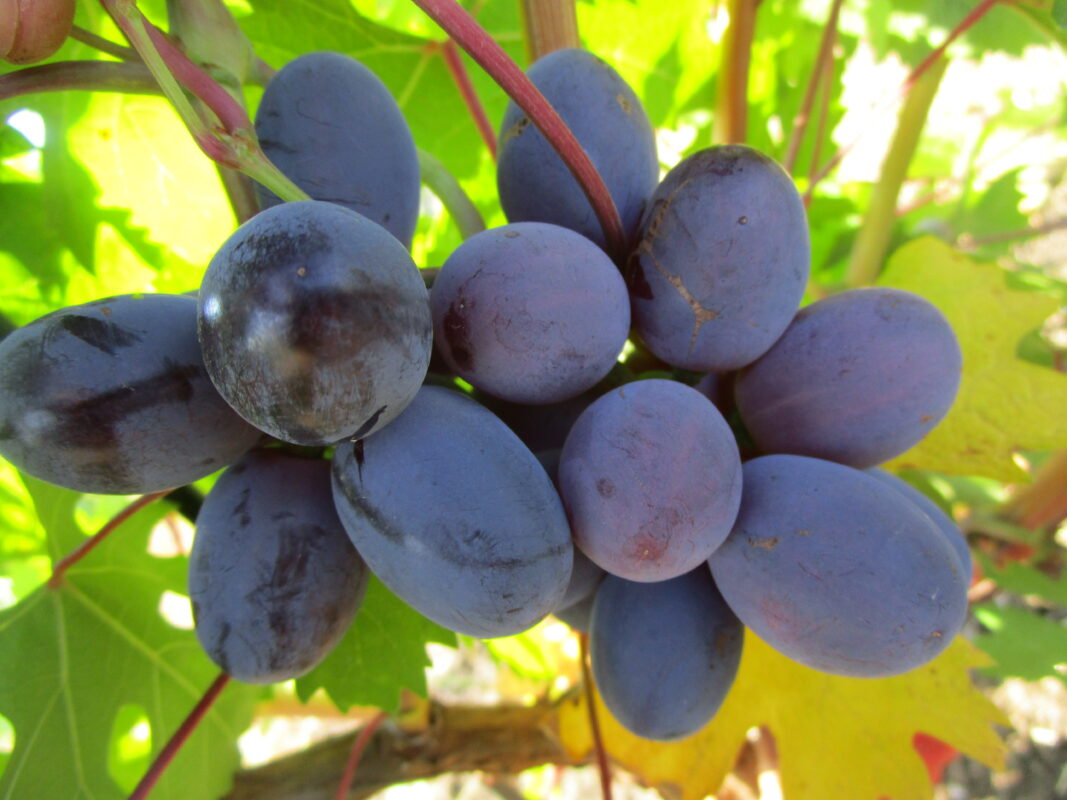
(456, 516)
(651, 479)
(273, 578)
(610, 124)
(664, 655)
(332, 127)
(830, 568)
(315, 323)
(530, 312)
(722, 262)
(112, 397)
(943, 521)
(857, 378)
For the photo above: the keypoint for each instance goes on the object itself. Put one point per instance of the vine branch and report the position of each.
(450, 54)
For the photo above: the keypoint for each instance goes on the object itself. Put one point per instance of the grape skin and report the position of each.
(608, 121)
(333, 128)
(315, 323)
(530, 312)
(827, 566)
(722, 262)
(273, 578)
(651, 479)
(664, 655)
(858, 378)
(112, 397)
(456, 516)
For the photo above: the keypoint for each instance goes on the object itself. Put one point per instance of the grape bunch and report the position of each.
(488, 447)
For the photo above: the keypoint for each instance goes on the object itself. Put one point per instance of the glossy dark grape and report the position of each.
(315, 323)
(829, 567)
(609, 122)
(530, 312)
(664, 655)
(722, 262)
(273, 578)
(456, 516)
(858, 378)
(651, 479)
(334, 129)
(112, 397)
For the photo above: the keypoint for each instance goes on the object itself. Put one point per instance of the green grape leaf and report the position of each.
(73, 660)
(383, 652)
(1022, 643)
(1059, 13)
(1023, 580)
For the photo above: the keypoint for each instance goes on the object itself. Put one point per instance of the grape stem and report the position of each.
(166, 755)
(76, 555)
(964, 25)
(822, 65)
(354, 757)
(731, 101)
(131, 77)
(480, 46)
(594, 721)
(233, 144)
(450, 54)
(103, 45)
(549, 25)
(447, 189)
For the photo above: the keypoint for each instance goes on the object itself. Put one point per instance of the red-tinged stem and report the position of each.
(820, 131)
(358, 747)
(59, 76)
(72, 558)
(480, 46)
(450, 53)
(166, 755)
(594, 721)
(823, 63)
(965, 24)
(103, 45)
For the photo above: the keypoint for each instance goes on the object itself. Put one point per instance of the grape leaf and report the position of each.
(382, 653)
(1022, 643)
(73, 658)
(1004, 403)
(845, 738)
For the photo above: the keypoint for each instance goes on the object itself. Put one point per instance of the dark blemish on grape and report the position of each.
(803, 532)
(508, 595)
(638, 284)
(513, 610)
(107, 337)
(764, 543)
(512, 235)
(375, 517)
(647, 548)
(302, 272)
(294, 549)
(515, 130)
(97, 422)
(457, 335)
(357, 452)
(281, 249)
(742, 221)
(219, 649)
(605, 488)
(278, 621)
(624, 104)
(724, 642)
(925, 418)
(368, 426)
(278, 516)
(244, 519)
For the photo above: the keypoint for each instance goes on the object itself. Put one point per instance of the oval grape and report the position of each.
(273, 578)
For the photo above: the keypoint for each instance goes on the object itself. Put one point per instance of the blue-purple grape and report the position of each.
(608, 121)
(315, 323)
(858, 378)
(112, 397)
(273, 578)
(651, 479)
(830, 568)
(456, 516)
(722, 262)
(530, 312)
(664, 655)
(333, 128)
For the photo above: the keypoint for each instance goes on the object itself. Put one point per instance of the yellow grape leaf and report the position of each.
(1004, 404)
(840, 738)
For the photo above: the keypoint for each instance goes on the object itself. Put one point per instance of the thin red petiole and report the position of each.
(166, 755)
(450, 53)
(358, 747)
(594, 721)
(87, 546)
(490, 56)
